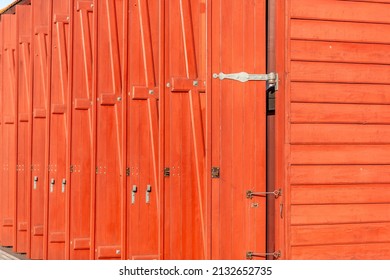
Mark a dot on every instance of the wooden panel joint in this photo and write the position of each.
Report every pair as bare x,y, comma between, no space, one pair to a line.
9,120
85,5
82,104
23,117
39,113
61,18
142,93
108,252
108,99
57,237
58,108
81,244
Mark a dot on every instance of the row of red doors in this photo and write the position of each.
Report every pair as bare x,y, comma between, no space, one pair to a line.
127,144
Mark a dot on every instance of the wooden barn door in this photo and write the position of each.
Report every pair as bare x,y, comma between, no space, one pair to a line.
109,128
184,170
59,134
82,169
143,130
40,103
9,149
23,14
215,130
238,129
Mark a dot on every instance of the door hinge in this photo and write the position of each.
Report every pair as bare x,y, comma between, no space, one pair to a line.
215,172
250,255
167,172
127,171
71,168
271,78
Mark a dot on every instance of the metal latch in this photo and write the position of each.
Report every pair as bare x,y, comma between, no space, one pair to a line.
52,182
63,185
250,255
134,191
35,182
215,172
276,193
148,191
271,78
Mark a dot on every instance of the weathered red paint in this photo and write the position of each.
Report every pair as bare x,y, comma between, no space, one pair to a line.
22,228
40,49
9,151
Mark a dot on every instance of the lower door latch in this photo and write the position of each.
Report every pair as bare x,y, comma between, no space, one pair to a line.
250,255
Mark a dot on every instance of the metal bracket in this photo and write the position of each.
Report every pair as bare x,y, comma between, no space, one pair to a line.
52,182
276,193
71,169
127,171
250,255
167,172
133,192
148,191
63,185
215,172
35,182
271,78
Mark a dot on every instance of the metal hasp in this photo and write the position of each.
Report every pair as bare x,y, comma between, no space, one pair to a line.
148,191
276,193
133,192
52,182
35,182
271,78
276,255
63,185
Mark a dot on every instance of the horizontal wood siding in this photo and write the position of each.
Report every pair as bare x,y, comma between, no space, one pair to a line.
339,124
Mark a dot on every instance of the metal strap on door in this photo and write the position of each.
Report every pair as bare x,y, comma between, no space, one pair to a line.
271,78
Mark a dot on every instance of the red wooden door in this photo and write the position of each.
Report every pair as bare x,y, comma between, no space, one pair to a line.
40,122
23,14
185,219
82,170
9,130
143,130
109,131
59,130
238,129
